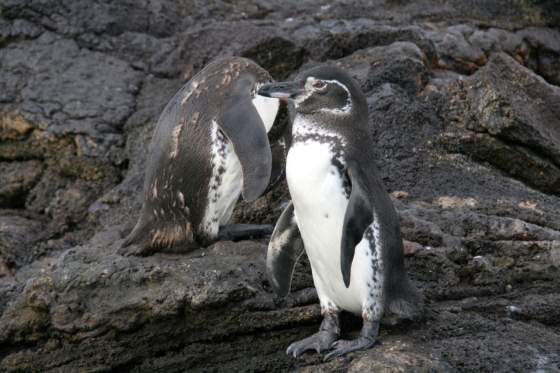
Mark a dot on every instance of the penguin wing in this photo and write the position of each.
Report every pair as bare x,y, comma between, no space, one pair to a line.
284,250
358,216
242,124
279,151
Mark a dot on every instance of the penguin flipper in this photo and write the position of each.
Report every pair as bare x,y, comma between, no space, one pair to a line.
279,153
358,216
284,250
241,123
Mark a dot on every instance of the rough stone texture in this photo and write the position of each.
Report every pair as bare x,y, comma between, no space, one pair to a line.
464,109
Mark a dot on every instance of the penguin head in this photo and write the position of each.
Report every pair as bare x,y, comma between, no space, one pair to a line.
325,90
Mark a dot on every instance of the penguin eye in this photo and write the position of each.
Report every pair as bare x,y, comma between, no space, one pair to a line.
319,84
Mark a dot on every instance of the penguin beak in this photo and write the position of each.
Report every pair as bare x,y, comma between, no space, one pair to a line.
283,90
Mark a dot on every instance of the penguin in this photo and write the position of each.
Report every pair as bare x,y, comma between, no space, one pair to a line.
209,146
340,214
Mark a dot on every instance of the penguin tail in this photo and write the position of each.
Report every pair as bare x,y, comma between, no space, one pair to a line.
150,235
406,303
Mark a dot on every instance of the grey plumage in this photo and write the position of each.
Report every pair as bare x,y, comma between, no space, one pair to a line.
209,134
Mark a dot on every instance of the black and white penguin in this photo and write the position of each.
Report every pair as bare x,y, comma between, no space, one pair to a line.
340,213
209,147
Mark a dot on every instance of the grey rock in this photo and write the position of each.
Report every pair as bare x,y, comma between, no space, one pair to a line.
400,63
17,234
509,134
265,44
93,95
17,180
455,51
463,111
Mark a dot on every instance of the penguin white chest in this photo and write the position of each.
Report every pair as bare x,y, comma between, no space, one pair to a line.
320,201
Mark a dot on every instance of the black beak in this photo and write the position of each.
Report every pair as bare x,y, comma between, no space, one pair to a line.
283,90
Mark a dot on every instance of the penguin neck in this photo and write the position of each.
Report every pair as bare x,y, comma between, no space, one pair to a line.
312,127
267,108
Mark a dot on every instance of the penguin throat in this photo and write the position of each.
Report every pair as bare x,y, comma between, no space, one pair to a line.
308,128
267,108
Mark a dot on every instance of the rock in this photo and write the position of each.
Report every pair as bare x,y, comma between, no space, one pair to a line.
410,248
95,96
447,202
496,40
13,127
17,235
547,50
458,348
463,110
509,134
266,45
454,50
191,291
17,180
397,355
543,308
401,63
531,126
336,39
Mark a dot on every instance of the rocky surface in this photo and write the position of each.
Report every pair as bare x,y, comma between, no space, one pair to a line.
464,103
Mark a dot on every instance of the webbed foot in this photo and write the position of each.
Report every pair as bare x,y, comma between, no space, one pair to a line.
320,341
367,339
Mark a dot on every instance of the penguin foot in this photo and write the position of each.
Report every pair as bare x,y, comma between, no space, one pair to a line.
237,232
135,250
367,339
320,342
342,347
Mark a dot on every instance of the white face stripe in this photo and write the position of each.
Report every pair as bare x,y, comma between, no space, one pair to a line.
310,90
348,106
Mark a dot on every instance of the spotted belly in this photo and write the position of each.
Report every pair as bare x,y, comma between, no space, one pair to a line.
225,184
320,197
